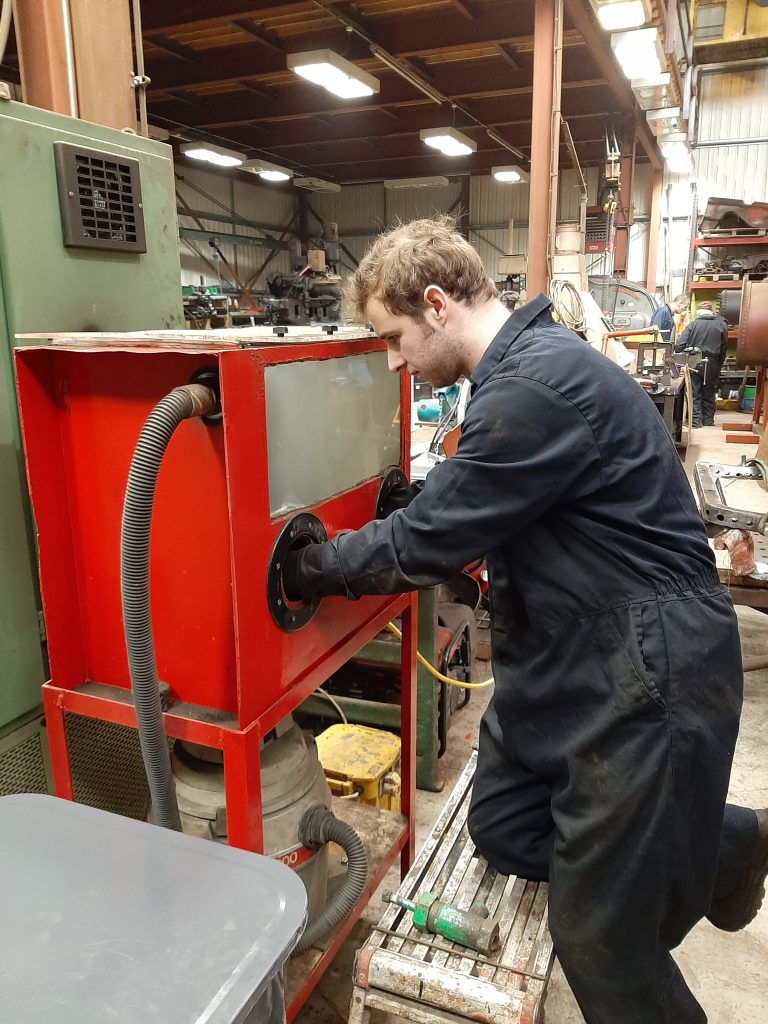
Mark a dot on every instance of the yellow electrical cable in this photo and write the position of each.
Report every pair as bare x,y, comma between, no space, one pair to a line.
433,671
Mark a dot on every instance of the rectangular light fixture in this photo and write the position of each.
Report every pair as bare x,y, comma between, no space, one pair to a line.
653,93
676,152
317,185
639,52
448,140
211,154
267,170
616,15
334,73
664,120
434,181
510,174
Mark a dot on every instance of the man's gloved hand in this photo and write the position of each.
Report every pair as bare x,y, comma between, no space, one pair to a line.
401,496
303,574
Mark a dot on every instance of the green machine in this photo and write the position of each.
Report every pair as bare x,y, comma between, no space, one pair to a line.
88,241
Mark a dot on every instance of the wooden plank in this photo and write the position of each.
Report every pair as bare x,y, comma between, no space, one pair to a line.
742,439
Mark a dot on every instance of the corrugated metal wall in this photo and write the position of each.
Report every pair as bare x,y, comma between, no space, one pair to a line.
214,194
733,105
360,211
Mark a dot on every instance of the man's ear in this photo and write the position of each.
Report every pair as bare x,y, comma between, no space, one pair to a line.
436,302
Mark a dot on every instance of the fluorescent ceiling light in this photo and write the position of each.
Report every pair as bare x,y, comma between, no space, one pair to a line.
435,181
623,14
676,152
317,185
448,141
512,173
268,171
664,120
638,52
655,92
212,154
334,73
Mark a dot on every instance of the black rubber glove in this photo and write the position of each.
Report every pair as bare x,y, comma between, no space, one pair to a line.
303,575
401,496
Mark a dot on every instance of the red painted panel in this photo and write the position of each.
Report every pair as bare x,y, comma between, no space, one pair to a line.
212,536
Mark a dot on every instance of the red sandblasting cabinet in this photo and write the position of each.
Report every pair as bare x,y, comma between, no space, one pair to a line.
305,427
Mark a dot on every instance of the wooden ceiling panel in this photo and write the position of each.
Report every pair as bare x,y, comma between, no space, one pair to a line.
220,71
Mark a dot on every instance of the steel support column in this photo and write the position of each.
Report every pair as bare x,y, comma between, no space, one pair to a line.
653,232
541,146
46,63
464,206
624,218
101,37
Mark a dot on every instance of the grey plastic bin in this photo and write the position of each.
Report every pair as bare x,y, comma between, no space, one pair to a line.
106,920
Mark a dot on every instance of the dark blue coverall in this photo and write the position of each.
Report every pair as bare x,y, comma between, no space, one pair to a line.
605,753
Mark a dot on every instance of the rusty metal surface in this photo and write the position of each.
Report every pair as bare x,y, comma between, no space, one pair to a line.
752,343
430,979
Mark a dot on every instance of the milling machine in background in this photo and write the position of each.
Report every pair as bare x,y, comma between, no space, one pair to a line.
312,291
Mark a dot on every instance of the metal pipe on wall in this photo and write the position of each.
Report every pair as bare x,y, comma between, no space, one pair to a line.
653,232
555,119
541,142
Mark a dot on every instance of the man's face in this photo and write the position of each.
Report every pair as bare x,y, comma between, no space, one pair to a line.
433,353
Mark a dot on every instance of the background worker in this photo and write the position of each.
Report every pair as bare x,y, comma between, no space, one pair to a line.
708,333
667,316
604,755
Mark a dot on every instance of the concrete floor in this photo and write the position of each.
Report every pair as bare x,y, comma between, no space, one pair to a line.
728,973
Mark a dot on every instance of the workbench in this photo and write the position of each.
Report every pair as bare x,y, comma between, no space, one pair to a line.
430,980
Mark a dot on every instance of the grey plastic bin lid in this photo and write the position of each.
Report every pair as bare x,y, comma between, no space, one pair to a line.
105,919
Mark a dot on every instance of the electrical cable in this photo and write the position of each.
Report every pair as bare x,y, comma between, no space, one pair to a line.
324,693
434,672
5,26
567,305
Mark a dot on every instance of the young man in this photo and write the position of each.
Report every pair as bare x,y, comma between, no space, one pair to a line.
708,333
605,753
666,316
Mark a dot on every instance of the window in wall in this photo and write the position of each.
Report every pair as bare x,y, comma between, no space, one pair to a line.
709,22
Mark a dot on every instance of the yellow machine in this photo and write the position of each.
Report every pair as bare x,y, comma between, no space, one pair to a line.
359,760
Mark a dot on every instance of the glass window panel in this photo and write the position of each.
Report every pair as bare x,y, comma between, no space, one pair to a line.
331,424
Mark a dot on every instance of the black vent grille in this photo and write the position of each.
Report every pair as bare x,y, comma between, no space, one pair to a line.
100,197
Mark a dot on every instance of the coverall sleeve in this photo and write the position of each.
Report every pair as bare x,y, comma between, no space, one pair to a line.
524,447
683,340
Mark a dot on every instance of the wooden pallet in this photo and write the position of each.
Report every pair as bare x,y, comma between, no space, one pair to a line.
736,233
716,277
430,980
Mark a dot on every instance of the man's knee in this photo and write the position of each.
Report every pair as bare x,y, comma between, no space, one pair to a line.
509,851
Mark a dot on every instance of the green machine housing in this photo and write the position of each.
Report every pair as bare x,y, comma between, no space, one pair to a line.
88,241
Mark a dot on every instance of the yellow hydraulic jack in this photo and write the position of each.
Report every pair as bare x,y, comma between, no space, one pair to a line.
469,928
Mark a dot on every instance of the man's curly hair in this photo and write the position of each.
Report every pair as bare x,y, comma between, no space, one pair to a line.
403,262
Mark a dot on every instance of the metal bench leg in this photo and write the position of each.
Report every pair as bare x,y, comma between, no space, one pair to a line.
358,1012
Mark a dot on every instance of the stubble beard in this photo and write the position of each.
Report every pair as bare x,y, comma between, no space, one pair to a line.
443,358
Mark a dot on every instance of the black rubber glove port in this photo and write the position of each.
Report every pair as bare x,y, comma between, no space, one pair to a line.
297,534
395,492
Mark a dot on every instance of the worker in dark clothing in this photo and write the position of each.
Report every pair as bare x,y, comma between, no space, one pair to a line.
664,317
709,334
605,753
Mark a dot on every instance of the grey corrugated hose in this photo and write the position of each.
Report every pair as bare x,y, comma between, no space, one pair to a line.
170,411
319,826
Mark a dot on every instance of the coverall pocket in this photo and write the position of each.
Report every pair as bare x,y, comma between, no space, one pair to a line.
629,627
